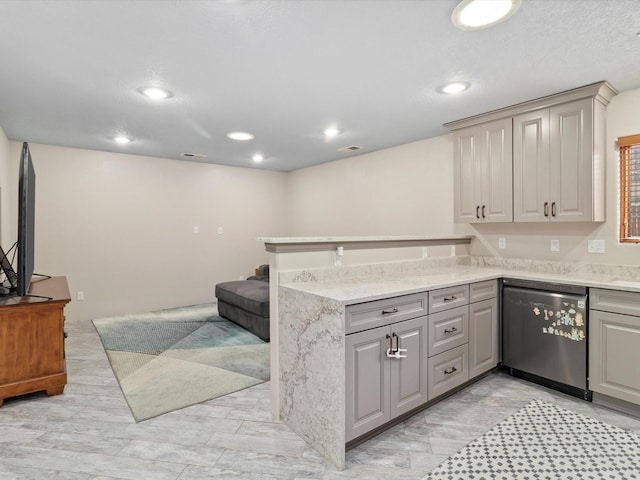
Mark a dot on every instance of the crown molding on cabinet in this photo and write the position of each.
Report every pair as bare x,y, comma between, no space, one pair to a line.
600,91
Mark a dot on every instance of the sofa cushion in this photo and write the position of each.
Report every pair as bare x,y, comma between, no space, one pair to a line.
250,295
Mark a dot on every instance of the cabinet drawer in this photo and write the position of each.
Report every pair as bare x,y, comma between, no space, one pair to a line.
446,298
483,290
448,370
364,316
614,301
448,329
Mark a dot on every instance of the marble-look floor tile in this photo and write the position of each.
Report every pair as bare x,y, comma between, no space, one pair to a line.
167,452
90,463
88,432
255,444
261,463
79,442
195,422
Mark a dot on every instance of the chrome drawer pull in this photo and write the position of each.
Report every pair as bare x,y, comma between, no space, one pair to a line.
387,312
453,329
450,299
449,372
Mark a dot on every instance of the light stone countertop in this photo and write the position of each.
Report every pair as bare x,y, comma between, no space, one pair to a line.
349,291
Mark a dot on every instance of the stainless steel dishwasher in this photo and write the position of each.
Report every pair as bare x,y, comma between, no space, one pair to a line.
544,334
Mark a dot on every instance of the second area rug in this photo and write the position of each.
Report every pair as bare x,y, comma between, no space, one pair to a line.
546,442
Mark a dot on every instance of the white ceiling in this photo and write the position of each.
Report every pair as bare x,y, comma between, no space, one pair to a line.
286,69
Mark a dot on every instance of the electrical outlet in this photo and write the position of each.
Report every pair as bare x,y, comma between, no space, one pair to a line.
80,295
595,246
219,230
555,245
502,242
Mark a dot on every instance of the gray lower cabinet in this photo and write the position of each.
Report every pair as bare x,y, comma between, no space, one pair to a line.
614,344
456,341
379,388
483,335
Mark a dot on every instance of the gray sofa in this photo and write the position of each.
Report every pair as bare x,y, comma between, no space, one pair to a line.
246,302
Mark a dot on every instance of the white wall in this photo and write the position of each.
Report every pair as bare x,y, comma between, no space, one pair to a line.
405,190
120,227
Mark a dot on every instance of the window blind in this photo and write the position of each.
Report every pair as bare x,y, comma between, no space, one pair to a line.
629,149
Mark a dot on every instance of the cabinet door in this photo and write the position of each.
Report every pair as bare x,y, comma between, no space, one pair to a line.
483,183
614,355
483,336
571,161
531,167
367,381
467,176
408,375
496,162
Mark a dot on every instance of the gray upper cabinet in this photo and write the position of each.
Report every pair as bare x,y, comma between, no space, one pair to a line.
558,169
482,169
537,161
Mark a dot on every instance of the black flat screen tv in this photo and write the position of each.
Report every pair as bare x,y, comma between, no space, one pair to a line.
26,221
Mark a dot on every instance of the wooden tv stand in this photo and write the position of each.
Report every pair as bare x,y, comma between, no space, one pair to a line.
32,340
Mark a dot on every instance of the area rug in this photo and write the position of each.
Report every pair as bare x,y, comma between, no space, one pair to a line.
543,441
170,359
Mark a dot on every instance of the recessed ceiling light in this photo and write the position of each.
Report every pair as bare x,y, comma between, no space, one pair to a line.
479,14
156,93
257,158
331,132
240,136
454,87
121,139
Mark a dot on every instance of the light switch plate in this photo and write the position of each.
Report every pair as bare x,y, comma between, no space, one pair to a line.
502,242
555,245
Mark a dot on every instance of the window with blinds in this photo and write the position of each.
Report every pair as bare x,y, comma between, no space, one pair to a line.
629,149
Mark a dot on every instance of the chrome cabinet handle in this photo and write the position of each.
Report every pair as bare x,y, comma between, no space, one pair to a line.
449,299
553,209
449,372
453,329
387,312
546,209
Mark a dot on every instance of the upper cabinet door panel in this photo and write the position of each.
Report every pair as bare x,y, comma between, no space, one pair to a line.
483,182
531,166
466,176
571,150
497,172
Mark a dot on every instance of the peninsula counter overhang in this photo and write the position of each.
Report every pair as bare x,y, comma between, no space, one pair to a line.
318,244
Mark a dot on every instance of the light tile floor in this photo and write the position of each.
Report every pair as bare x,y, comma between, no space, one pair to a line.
89,434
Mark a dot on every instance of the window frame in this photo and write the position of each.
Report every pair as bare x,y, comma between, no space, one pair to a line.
628,152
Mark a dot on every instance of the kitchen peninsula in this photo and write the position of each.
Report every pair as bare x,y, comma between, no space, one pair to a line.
313,312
